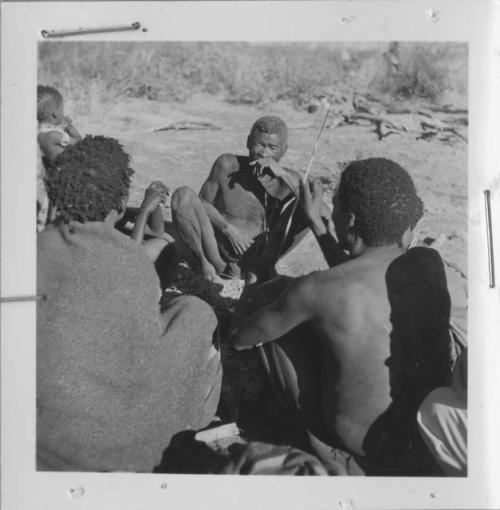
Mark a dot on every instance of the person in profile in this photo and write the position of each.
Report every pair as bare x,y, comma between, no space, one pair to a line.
355,349
116,378
55,132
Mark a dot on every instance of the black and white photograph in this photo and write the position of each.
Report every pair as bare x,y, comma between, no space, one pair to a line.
252,257
249,238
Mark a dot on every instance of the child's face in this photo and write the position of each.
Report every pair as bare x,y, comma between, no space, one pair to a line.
58,114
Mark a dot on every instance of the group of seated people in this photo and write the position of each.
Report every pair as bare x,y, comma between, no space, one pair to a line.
362,354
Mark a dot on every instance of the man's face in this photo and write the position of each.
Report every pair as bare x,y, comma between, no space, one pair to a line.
265,145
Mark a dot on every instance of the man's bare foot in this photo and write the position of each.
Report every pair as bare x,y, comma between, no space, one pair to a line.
208,271
251,278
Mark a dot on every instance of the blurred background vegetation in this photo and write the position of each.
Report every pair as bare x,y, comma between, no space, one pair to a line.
93,74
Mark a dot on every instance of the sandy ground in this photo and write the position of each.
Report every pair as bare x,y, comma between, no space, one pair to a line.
185,158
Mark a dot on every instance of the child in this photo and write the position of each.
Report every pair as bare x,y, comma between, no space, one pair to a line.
55,132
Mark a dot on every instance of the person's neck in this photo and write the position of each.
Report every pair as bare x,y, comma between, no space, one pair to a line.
361,249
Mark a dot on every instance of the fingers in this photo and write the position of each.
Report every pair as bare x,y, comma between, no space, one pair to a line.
269,163
242,245
316,188
157,192
159,187
306,190
240,242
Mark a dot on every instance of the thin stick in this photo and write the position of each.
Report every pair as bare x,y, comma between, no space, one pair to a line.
306,175
316,145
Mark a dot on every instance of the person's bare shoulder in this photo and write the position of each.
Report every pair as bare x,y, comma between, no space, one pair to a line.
224,165
337,287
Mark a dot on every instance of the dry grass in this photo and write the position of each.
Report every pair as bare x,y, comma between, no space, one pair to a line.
93,75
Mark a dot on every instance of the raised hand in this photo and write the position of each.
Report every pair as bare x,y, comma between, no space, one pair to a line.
262,163
311,200
238,239
156,193
275,169
70,129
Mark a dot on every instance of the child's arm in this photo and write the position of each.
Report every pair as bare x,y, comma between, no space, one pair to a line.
73,133
150,210
50,144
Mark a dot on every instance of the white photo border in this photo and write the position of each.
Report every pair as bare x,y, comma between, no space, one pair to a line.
470,21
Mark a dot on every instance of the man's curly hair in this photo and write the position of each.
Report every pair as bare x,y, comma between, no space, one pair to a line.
47,99
382,196
271,124
89,179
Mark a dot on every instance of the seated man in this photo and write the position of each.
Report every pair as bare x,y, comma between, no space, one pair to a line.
238,222
379,340
116,379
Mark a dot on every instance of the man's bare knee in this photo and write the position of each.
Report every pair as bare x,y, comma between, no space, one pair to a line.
183,198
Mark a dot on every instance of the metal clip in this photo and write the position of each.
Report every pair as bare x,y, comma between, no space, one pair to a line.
489,236
13,299
49,34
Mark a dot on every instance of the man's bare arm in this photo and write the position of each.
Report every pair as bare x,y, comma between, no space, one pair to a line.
293,307
318,216
209,190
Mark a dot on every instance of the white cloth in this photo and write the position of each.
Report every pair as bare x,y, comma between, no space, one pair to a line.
442,419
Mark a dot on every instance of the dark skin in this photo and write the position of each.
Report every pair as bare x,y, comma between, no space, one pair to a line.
232,203
150,214
51,146
349,308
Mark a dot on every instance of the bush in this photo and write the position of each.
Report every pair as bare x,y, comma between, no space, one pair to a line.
427,70
90,74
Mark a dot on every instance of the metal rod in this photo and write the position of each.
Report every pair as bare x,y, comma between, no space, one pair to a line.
489,236
49,34
13,299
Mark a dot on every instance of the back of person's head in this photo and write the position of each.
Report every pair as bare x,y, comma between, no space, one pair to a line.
382,196
270,124
89,179
49,104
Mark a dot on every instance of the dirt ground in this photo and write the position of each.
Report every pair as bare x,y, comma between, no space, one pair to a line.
184,157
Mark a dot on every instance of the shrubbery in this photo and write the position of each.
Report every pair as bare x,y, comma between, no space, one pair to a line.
93,73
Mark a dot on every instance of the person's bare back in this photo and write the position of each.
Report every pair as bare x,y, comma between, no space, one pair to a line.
381,320
353,322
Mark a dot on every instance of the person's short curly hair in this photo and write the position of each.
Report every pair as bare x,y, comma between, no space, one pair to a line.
47,99
270,124
89,179
382,196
